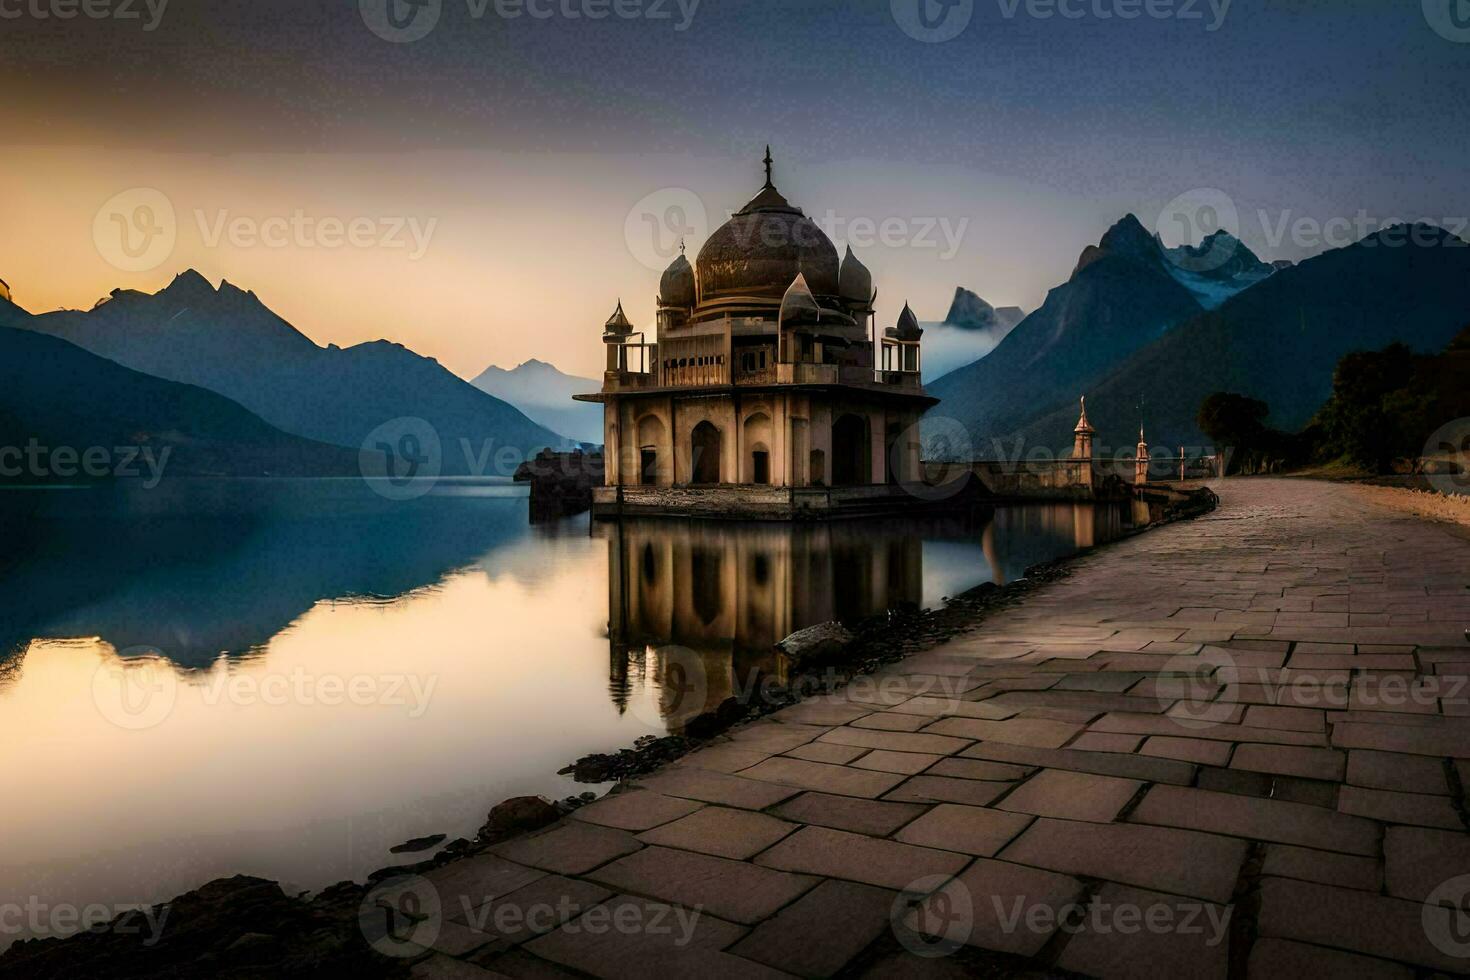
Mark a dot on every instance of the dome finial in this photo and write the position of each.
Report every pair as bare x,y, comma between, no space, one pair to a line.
767,162
1082,424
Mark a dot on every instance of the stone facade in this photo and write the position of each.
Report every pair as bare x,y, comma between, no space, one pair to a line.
766,372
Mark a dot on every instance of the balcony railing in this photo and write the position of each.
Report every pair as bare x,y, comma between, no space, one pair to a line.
806,374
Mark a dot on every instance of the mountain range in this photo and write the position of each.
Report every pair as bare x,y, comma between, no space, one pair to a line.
228,341
65,402
1278,341
1126,292
545,394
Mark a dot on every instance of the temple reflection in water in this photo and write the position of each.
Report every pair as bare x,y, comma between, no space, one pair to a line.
705,602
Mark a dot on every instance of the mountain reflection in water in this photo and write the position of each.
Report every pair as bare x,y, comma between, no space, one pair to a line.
537,645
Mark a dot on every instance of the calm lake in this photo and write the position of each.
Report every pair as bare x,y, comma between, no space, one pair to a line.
287,678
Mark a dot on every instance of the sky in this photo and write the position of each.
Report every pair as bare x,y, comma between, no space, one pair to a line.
482,180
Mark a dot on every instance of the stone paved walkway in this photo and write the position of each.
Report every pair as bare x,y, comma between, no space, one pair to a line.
1232,746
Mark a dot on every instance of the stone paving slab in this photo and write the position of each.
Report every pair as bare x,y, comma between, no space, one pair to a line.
1272,958
1005,900
871,817
1259,819
817,935
925,788
1072,795
1323,867
1356,921
841,780
1101,763
1115,943
1258,718
968,829
737,891
569,848
636,810
853,857
1180,861
721,831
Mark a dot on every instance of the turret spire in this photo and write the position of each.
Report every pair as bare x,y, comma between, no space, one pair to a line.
767,162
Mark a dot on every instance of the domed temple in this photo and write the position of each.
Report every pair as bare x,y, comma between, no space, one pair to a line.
767,391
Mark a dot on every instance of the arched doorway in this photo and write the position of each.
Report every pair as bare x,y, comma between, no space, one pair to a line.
850,452
704,452
757,465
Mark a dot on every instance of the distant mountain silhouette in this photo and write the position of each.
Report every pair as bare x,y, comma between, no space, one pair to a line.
1280,340
545,394
202,571
226,340
969,312
59,395
1125,293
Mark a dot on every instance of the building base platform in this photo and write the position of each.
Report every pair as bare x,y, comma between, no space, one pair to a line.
760,503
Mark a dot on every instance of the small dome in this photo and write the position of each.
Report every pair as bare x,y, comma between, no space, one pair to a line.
855,282
798,305
618,324
908,326
676,288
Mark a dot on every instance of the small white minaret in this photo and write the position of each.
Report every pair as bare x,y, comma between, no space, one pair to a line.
1082,444
1140,459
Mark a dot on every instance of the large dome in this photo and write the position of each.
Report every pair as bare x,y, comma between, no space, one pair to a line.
762,249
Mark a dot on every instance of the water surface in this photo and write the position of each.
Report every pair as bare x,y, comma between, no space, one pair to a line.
286,678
